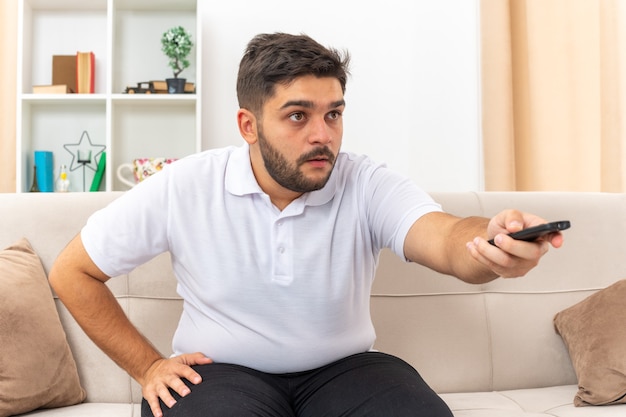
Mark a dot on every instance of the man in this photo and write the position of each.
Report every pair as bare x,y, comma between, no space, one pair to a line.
274,246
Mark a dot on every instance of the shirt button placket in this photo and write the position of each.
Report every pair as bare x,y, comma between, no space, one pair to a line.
282,256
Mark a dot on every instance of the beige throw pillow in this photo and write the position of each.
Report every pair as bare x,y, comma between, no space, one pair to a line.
594,332
37,369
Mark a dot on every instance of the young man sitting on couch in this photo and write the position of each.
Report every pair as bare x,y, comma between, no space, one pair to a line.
274,245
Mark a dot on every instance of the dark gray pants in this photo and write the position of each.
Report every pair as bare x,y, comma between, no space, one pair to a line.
366,384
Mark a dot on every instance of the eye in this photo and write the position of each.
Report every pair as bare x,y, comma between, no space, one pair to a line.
297,116
334,115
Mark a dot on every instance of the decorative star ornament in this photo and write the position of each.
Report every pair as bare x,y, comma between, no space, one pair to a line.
80,146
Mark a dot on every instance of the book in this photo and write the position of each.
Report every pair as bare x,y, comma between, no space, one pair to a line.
64,71
51,89
85,72
160,87
97,177
45,170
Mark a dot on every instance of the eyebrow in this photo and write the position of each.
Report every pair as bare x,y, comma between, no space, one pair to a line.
309,104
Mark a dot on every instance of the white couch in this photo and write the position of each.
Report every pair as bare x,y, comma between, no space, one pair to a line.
489,350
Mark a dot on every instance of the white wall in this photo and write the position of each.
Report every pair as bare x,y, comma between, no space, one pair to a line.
413,98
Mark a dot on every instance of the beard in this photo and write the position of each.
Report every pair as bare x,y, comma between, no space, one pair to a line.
289,175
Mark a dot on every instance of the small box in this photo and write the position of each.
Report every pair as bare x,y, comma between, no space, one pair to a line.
64,71
51,89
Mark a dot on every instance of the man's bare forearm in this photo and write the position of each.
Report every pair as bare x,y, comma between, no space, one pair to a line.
80,286
464,266
438,240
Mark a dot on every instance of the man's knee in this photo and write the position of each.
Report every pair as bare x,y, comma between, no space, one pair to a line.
372,384
227,390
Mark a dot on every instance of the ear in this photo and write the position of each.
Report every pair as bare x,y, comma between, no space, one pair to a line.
247,123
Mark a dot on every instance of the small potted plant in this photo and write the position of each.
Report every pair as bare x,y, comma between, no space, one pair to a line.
176,44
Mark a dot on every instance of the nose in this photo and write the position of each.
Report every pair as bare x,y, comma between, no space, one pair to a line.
321,132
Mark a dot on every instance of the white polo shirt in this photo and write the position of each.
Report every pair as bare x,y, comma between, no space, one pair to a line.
278,291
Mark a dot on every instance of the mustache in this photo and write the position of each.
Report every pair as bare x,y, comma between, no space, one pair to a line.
321,152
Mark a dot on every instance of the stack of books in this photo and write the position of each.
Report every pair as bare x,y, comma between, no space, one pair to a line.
160,87
71,74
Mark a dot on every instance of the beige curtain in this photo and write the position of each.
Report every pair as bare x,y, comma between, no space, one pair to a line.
554,94
8,54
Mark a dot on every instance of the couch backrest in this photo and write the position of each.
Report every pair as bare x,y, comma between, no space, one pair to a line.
49,221
460,337
500,335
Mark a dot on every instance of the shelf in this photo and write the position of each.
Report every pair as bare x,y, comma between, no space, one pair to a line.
137,45
155,98
45,126
125,36
62,98
48,29
65,5
188,5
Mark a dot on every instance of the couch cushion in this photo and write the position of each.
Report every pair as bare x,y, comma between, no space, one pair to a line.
536,402
91,410
595,335
36,366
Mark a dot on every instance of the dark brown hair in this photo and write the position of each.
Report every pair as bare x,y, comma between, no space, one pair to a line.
280,58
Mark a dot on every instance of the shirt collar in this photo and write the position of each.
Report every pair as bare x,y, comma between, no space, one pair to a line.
240,180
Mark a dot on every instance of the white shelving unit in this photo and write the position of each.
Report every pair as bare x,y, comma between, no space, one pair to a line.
125,36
